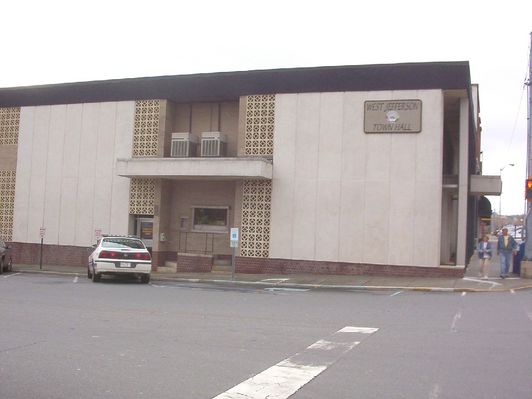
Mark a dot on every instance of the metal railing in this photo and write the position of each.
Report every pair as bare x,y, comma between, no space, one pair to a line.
199,242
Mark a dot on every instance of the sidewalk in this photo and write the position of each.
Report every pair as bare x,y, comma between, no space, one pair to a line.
470,283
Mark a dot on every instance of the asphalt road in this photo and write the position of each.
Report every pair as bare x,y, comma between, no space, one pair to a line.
65,337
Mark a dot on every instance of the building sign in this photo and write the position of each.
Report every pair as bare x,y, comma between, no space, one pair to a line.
394,116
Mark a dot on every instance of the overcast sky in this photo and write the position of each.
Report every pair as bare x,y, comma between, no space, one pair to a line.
67,41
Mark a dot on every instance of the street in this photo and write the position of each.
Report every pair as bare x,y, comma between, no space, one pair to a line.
66,337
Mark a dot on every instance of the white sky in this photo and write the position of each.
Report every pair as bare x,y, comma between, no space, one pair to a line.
58,41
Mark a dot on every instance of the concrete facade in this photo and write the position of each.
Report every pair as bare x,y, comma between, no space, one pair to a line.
342,195
66,178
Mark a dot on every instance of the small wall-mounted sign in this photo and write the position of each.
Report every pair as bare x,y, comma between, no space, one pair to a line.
42,232
234,237
392,116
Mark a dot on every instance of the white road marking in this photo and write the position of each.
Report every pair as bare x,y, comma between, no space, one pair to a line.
76,279
274,289
275,279
11,275
396,293
513,292
288,376
464,293
362,330
158,286
328,345
435,393
484,281
457,317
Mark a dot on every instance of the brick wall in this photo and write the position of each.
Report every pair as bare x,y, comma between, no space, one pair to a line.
62,255
194,263
288,266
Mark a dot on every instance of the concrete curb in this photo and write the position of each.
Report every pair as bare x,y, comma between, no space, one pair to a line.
340,287
302,285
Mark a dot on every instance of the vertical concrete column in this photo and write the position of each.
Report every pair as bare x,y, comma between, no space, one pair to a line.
237,217
241,140
463,182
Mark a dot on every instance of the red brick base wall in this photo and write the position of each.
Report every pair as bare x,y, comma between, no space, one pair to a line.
62,255
288,266
194,263
158,258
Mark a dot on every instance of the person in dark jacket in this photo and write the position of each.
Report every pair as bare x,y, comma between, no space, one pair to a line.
506,247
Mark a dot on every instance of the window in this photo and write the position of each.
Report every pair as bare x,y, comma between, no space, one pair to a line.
210,219
122,242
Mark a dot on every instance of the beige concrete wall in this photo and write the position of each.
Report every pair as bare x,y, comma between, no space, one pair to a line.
342,195
186,194
164,218
66,179
206,117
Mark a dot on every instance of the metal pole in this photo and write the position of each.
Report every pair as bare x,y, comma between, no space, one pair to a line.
232,263
40,257
528,83
528,242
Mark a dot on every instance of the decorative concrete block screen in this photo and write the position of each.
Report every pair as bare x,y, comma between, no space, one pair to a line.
260,119
256,212
141,196
9,123
7,203
146,130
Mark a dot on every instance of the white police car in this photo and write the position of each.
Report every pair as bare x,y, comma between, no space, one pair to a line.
119,255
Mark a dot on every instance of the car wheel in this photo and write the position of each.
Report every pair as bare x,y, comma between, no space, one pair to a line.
89,275
145,278
95,277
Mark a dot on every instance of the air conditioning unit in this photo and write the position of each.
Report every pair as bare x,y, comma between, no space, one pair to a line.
183,145
212,144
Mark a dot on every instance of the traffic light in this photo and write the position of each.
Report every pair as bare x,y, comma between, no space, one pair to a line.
528,189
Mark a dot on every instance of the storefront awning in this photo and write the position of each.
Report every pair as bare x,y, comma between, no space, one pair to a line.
196,168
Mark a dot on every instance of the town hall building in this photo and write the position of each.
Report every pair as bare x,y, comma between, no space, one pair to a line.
371,169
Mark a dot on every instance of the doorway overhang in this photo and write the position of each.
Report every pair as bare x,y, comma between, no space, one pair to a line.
196,168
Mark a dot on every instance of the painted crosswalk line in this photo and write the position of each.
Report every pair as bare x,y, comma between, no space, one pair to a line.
288,376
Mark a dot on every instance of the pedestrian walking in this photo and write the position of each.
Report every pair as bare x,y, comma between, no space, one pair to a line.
484,255
506,247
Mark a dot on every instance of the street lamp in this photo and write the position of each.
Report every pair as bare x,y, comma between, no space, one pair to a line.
500,197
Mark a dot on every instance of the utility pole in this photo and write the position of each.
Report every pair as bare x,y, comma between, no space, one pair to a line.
528,245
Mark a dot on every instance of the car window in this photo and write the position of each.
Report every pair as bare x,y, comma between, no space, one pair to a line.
119,242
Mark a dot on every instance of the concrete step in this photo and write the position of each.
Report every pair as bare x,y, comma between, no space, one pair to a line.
221,268
169,263
166,269
217,261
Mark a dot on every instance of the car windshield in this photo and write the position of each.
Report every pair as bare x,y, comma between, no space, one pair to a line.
121,242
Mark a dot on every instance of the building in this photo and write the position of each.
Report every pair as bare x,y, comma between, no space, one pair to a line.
349,169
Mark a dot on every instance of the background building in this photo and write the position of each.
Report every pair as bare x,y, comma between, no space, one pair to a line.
354,169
